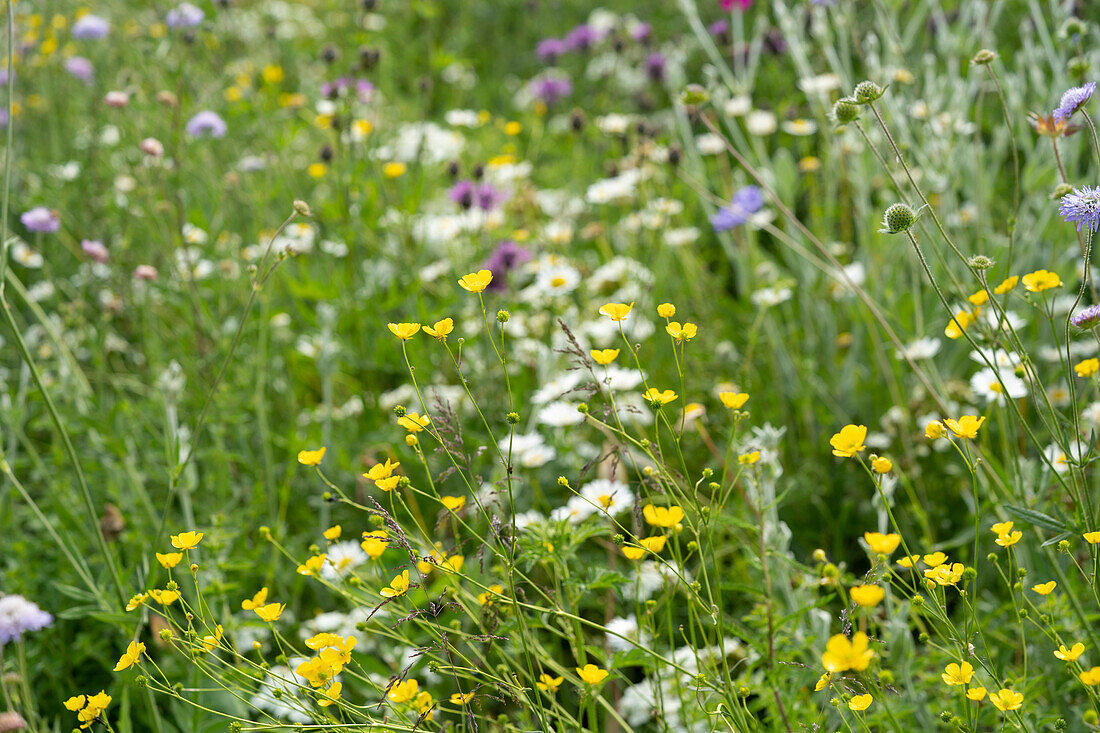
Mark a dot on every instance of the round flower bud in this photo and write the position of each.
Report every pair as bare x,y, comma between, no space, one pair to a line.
694,94
819,555
867,92
898,218
983,57
399,410
1060,190
1078,66
1073,27
302,208
512,418
563,481
503,316
980,262
845,111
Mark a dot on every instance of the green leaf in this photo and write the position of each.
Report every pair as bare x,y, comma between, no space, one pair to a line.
1038,518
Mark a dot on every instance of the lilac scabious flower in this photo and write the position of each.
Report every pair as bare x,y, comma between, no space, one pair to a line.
18,616
507,257
719,27
551,88
363,89
1087,318
744,204
184,15
81,68
468,194
1073,100
655,66
1081,206
549,49
206,123
90,27
582,38
41,219
462,193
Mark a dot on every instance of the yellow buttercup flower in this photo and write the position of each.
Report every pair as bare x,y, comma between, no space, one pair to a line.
966,426
549,683
616,311
1008,539
381,470
404,331
1087,368
660,516
860,702
945,574
413,422
747,459
882,544
312,566
867,596
647,544
958,673
979,298
976,694
1001,528
394,169
403,691
934,430
1044,589
654,395
375,543
74,703
270,612
311,457
603,357
458,698
476,282
733,400
186,540
934,559
957,325
590,674
251,604
1008,284
333,532
823,681
398,586
1071,654
881,465
1003,699
1092,537
666,310
1037,282
681,333
441,329
169,560
131,656
136,601
453,503
331,695
842,654
1090,677
849,441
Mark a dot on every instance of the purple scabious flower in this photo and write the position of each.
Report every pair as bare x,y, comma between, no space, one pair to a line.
364,90
41,219
462,193
1073,100
1087,318
744,204
90,27
18,616
488,197
582,38
551,88
549,49
184,15
655,66
506,257
1081,206
81,68
206,123
719,27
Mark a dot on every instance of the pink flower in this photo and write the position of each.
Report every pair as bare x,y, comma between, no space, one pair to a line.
117,99
152,146
145,272
95,250
729,5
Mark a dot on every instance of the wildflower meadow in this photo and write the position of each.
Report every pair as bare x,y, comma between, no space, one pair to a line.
541,365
